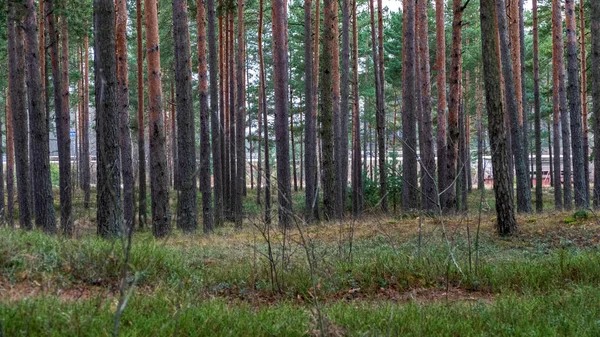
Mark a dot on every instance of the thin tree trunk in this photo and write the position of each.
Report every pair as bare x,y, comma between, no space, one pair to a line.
559,102
109,214
10,161
187,205
263,111
480,140
85,135
595,65
240,117
205,185
380,114
539,202
574,95
16,70
584,109
161,225
233,176
123,111
280,78
142,212
357,183
294,171
427,153
440,34
310,127
513,93
506,222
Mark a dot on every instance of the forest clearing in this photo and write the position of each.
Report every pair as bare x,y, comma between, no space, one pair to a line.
299,168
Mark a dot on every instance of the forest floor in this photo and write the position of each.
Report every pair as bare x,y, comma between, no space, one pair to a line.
375,276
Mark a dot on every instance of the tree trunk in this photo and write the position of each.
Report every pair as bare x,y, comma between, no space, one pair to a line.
440,34
44,207
480,140
205,185
344,106
142,215
357,183
161,225
240,117
187,205
280,78
85,136
595,65
506,222
454,106
123,111
16,70
584,109
293,140
427,155
513,93
109,214
10,162
310,122
539,202
574,95
263,111
233,177
560,108
335,97
380,114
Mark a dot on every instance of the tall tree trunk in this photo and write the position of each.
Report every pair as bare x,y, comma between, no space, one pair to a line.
454,106
440,34
161,225
584,109
506,222
205,186
16,70
187,205
109,214
85,135
310,122
233,176
327,117
142,215
123,111
263,111
574,95
240,117
410,190
10,161
595,65
357,183
428,157
44,205
293,140
560,107
217,164
63,137
513,93
280,78
344,106
335,97
380,114
539,202
480,140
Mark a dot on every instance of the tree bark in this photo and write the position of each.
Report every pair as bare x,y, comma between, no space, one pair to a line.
574,96
326,116
560,107
584,109
205,185
539,202
109,214
506,222
85,136
380,114
187,205
10,161
440,34
513,93
280,78
44,205
410,189
123,111
142,212
214,117
429,192
595,65
16,70
310,122
161,225
357,183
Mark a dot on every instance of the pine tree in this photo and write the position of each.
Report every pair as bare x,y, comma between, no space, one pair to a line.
506,221
539,202
440,34
109,213
595,65
142,213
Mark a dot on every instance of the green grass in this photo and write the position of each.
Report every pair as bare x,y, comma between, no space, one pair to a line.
543,282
